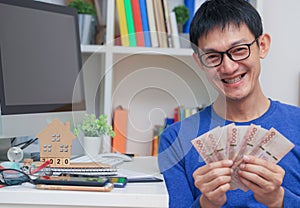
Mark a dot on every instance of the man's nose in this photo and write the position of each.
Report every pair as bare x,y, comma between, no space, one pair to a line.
228,66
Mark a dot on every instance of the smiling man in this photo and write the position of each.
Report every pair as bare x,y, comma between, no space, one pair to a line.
228,42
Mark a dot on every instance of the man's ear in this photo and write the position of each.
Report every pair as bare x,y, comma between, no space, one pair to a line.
264,45
195,56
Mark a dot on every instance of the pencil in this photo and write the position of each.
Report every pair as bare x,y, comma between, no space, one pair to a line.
106,188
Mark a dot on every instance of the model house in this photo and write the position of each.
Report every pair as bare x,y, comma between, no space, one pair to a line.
56,143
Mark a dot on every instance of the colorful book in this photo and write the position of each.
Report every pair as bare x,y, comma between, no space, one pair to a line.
157,130
144,16
122,23
152,24
160,24
137,19
167,23
175,33
130,22
190,4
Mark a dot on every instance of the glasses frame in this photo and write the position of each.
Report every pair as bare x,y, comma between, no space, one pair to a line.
227,53
4,180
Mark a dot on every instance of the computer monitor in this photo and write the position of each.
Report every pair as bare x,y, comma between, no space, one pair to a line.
40,63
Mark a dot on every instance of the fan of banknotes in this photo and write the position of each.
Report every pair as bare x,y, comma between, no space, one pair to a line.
233,142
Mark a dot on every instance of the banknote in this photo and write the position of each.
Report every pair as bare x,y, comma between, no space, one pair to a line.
234,141
272,147
206,145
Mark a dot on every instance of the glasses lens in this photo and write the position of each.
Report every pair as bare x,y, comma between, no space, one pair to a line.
211,59
14,177
239,52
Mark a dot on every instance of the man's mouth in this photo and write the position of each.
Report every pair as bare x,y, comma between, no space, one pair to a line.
233,80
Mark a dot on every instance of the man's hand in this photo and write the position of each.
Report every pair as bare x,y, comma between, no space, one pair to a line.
213,181
264,179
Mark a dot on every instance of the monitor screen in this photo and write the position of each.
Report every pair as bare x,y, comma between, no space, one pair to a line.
40,62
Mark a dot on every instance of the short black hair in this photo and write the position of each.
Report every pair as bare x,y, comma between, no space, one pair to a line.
222,13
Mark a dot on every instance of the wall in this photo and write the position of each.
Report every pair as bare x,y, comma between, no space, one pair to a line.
280,69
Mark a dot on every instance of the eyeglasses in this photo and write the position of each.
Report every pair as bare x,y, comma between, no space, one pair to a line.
235,53
10,177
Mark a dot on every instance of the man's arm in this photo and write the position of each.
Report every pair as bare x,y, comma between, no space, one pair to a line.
171,164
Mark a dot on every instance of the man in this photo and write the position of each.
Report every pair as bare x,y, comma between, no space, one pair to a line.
228,43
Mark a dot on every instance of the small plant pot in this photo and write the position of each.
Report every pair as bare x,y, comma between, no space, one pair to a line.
91,146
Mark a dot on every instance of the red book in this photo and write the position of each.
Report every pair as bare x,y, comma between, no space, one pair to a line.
176,114
137,19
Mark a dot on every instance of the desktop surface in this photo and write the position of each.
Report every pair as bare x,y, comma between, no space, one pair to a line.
144,195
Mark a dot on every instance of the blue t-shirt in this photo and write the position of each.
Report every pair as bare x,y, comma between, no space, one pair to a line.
178,159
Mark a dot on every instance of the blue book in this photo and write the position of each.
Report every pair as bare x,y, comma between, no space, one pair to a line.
190,4
145,23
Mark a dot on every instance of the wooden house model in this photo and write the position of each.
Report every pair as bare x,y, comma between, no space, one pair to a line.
56,143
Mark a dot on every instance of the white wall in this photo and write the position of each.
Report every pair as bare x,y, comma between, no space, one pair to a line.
280,69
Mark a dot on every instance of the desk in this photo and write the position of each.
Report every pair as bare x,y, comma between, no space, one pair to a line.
142,195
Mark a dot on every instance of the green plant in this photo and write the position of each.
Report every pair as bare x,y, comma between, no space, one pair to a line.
83,7
182,15
94,127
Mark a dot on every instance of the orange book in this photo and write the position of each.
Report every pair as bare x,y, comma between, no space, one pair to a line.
120,128
137,19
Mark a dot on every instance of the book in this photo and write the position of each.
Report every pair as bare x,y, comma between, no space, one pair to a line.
167,23
175,34
157,130
100,26
122,23
145,24
83,168
130,22
137,19
152,24
98,13
190,4
160,24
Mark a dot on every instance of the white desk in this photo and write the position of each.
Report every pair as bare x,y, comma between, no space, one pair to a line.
146,195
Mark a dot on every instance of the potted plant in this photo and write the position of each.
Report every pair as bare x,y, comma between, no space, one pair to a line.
182,15
93,130
86,18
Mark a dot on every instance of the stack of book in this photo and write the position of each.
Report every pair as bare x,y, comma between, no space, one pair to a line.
182,112
84,168
147,23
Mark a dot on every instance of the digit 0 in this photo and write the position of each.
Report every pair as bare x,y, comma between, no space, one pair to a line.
66,161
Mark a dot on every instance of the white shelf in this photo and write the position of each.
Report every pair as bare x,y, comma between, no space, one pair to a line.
136,50
93,48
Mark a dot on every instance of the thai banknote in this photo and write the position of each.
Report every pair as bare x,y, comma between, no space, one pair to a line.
233,142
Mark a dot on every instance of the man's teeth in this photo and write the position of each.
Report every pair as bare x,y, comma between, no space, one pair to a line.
231,81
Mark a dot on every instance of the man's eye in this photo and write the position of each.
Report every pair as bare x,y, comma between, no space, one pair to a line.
239,50
212,57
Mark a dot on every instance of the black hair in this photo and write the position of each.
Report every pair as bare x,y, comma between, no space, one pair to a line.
222,13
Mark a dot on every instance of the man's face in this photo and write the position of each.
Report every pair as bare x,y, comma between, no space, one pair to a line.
235,79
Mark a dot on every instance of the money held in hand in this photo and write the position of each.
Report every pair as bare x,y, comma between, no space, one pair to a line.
232,142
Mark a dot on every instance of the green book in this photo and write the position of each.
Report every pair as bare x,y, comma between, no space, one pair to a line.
130,22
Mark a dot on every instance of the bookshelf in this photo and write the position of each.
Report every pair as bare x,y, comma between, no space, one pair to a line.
149,82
